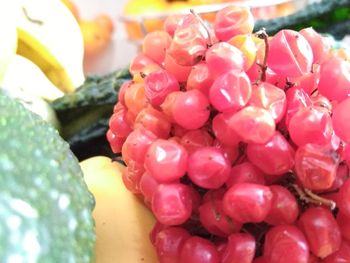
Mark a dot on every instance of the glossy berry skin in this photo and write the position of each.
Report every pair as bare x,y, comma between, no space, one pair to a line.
188,45
148,185
314,259
230,91
316,166
200,78
316,123
247,202
154,45
169,242
340,256
168,105
346,153
240,249
212,195
171,22
132,175
284,207
139,62
321,230
215,221
296,99
309,81
344,199
199,250
245,172
320,45
196,199
158,85
153,120
121,93
335,73
246,44
208,168
253,124
344,225
231,21
171,203
341,120
136,145
230,152
196,139
166,160
271,98
261,259
340,178
135,99
213,146
275,157
180,72
254,71
118,123
222,58
223,129
115,142
191,109
287,244
290,54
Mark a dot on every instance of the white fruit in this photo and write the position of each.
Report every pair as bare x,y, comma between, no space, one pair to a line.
22,74
8,34
49,35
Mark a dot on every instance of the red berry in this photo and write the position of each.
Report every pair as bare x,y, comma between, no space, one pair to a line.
287,244
240,249
246,202
169,242
166,160
172,204
199,250
321,230
208,168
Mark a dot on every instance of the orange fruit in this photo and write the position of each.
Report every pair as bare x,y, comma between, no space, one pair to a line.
285,9
202,2
72,7
177,6
246,44
97,35
134,9
105,21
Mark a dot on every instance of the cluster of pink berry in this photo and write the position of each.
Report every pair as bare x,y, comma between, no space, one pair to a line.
239,142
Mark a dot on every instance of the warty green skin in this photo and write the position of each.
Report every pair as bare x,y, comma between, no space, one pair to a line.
45,205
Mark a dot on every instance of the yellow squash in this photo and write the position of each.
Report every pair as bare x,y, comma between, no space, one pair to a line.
50,36
123,223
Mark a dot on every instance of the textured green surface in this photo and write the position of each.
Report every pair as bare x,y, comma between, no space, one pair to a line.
322,16
45,206
84,114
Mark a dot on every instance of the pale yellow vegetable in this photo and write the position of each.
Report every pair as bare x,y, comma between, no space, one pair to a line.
123,223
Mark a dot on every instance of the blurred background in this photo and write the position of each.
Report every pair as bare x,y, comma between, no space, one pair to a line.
119,52
133,18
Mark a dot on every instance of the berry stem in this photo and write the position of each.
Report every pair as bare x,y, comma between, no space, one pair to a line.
321,200
201,21
263,35
309,197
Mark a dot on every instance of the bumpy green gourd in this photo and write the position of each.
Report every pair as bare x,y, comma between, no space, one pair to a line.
45,206
322,15
84,114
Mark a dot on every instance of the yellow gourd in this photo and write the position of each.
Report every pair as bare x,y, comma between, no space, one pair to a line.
123,223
